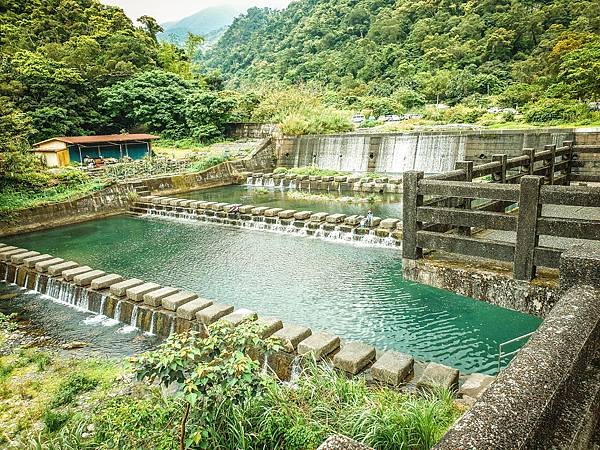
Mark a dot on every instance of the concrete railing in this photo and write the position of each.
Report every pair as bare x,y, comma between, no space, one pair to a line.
548,397
456,205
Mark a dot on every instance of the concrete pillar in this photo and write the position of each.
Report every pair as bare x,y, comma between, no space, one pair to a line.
527,237
410,226
467,166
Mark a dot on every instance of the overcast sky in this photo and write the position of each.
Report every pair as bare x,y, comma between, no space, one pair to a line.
170,10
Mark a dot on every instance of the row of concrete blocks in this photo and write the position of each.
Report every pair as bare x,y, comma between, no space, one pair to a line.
339,179
389,224
390,367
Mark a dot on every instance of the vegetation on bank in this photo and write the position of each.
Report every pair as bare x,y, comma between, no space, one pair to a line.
330,197
223,400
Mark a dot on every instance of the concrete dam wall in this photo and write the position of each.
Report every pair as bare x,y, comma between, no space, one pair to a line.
429,151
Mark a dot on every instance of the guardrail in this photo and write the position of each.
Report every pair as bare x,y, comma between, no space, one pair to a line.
441,211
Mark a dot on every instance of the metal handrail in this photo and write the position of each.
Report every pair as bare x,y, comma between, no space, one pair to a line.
502,354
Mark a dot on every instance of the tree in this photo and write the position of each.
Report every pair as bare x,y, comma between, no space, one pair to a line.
151,26
580,69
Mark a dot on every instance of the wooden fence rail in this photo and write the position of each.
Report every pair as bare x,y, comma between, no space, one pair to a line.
440,211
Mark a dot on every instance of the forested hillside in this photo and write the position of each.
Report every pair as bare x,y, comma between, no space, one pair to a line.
208,23
70,67
420,50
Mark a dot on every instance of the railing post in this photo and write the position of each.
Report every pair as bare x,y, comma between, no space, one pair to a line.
551,161
528,168
467,166
500,176
527,237
410,225
568,157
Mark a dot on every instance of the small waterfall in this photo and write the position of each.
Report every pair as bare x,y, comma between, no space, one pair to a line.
277,227
296,370
265,366
37,282
25,283
249,181
281,186
134,316
335,234
172,328
103,304
270,182
304,230
83,301
153,323
117,312
292,184
320,232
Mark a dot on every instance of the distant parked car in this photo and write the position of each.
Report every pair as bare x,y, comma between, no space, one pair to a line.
392,118
358,118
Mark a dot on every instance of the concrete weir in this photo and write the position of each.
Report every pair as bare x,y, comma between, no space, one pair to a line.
334,227
164,310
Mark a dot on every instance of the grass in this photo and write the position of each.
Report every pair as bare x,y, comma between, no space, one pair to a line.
207,163
14,200
301,195
311,171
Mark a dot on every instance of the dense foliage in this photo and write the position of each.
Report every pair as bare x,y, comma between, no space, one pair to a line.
70,67
393,55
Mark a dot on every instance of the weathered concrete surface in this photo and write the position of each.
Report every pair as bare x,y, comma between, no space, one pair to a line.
33,260
189,310
106,281
302,215
291,335
524,408
120,289
318,217
85,279
42,266
238,316
5,256
475,385
389,224
258,211
269,325
136,293
354,357
58,269
72,273
172,302
438,375
213,313
342,443
481,280
272,212
155,298
287,213
393,367
580,264
319,344
335,218
18,258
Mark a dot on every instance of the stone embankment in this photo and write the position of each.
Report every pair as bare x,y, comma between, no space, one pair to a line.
342,183
163,310
341,227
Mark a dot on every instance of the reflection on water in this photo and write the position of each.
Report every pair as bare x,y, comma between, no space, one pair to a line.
65,323
355,292
388,205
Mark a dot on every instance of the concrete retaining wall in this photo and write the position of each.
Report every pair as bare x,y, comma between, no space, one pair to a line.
112,200
250,130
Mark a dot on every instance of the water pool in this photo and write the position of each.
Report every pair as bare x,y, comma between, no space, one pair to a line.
355,292
388,205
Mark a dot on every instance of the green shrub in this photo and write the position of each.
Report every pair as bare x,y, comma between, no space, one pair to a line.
70,388
550,110
280,170
72,177
462,114
55,420
316,171
31,181
207,163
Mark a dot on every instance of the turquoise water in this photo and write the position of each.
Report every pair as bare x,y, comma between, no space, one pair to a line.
388,205
355,292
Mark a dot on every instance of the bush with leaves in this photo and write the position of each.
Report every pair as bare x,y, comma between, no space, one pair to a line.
209,370
553,110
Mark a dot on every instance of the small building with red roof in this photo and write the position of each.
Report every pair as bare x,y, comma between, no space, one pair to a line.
61,151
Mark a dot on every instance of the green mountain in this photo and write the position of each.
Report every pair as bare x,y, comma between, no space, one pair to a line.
437,49
208,23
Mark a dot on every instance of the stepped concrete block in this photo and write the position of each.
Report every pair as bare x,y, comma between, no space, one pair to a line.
155,298
189,310
85,279
42,266
257,175
340,179
340,442
287,213
354,357
7,255
238,316
382,232
33,260
72,273
318,217
3,245
208,205
156,200
269,325
314,178
438,375
258,211
389,224
185,203
393,367
19,257
291,335
353,220
273,212
319,344
120,289
395,180
335,218
193,204
302,215
106,281
293,176
172,302
327,178
222,206
165,201
375,221
213,313
246,209
137,293
146,198
475,385
174,201
7,248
